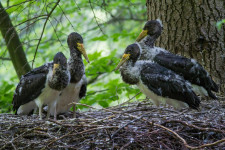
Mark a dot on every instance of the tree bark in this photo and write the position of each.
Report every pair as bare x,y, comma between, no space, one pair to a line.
190,30
13,43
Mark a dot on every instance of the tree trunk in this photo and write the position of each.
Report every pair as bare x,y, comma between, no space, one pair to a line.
190,30
13,43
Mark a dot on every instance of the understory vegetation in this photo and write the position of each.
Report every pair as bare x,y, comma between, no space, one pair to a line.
107,28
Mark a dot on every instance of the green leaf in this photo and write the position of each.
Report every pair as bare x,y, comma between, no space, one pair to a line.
8,87
219,24
103,103
100,38
64,20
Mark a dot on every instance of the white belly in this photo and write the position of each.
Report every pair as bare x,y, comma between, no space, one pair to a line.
48,97
159,99
69,94
26,108
199,90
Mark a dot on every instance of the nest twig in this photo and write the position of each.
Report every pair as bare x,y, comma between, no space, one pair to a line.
134,126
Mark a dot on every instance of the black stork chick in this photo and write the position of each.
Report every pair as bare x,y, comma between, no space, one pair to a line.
190,69
158,83
41,86
78,83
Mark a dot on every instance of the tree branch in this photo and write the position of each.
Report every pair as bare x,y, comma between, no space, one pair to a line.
18,4
31,19
96,17
39,41
13,43
67,18
4,58
115,19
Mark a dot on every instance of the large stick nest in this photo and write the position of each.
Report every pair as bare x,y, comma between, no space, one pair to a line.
135,126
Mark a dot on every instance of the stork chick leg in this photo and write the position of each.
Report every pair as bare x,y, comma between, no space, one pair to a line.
40,112
74,110
55,114
48,112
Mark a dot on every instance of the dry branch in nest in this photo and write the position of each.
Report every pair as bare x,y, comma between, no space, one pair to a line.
135,126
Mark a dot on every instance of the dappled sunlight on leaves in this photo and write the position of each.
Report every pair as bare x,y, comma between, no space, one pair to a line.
120,22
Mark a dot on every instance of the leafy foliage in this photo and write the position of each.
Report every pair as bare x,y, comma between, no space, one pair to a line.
106,26
220,23
6,95
110,88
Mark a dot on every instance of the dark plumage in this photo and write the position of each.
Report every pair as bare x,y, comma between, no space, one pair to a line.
30,86
152,30
78,83
188,68
83,89
159,83
41,86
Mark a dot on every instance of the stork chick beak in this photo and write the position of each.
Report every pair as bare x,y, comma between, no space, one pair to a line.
55,67
80,47
123,60
142,35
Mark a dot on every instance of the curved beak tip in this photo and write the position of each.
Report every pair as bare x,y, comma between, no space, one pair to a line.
55,66
142,35
122,61
116,68
83,51
86,57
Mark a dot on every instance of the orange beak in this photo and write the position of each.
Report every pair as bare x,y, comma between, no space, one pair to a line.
142,35
123,60
83,51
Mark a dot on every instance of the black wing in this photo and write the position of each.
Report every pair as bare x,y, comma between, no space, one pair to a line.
42,69
166,83
188,68
83,88
30,86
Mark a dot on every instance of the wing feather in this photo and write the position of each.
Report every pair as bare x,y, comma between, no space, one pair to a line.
30,86
188,68
166,83
83,88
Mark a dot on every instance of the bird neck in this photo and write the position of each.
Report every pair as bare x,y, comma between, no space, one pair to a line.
150,40
148,50
58,79
75,53
130,73
76,66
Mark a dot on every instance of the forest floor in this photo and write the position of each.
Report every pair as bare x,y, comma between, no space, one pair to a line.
138,125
